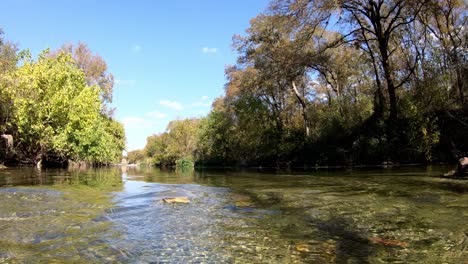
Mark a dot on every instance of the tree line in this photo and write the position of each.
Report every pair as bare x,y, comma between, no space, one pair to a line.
327,82
55,109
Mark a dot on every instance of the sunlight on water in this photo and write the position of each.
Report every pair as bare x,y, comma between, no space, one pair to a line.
112,216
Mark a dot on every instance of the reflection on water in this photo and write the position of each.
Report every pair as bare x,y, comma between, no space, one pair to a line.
50,216
117,215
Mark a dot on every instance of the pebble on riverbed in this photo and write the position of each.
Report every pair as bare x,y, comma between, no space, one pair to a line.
324,251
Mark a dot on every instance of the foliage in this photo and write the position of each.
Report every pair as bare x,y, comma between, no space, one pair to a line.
213,145
178,143
135,156
8,61
325,82
184,164
95,70
55,115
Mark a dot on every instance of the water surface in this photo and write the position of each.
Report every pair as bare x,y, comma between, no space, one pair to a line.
399,215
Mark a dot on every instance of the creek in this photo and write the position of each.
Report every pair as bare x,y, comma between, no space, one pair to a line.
117,215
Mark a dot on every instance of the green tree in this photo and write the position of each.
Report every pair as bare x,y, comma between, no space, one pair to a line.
56,115
8,61
8,55
177,143
95,70
135,156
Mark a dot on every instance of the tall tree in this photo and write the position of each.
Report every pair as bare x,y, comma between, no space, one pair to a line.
95,69
446,22
280,57
373,25
178,142
56,115
8,61
8,54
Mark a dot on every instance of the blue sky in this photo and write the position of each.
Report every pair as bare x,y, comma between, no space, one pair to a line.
167,57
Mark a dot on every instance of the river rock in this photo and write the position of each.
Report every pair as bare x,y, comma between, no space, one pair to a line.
304,248
8,140
462,166
243,204
461,170
241,200
176,200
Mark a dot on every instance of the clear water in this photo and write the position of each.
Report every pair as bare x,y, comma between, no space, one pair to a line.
399,215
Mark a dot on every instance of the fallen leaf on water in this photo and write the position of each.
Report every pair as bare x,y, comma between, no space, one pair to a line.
388,242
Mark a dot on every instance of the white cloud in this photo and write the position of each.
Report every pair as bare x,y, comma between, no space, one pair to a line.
136,122
172,104
202,102
209,50
137,48
125,82
156,114
202,113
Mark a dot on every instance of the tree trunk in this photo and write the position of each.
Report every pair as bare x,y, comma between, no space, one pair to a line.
389,79
304,112
6,146
460,85
38,161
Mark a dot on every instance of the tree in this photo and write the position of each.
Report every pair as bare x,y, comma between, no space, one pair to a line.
336,82
279,57
8,55
94,68
8,61
214,144
135,156
56,115
445,22
372,25
178,142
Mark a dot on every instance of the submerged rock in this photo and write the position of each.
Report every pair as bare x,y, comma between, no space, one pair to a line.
244,204
242,200
303,248
322,251
176,200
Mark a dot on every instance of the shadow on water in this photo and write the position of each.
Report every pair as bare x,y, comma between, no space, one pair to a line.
351,244
457,186
334,239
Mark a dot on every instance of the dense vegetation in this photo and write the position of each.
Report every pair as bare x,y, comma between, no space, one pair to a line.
336,83
55,109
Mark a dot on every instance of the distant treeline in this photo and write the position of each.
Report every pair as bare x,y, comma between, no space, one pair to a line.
55,109
326,82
